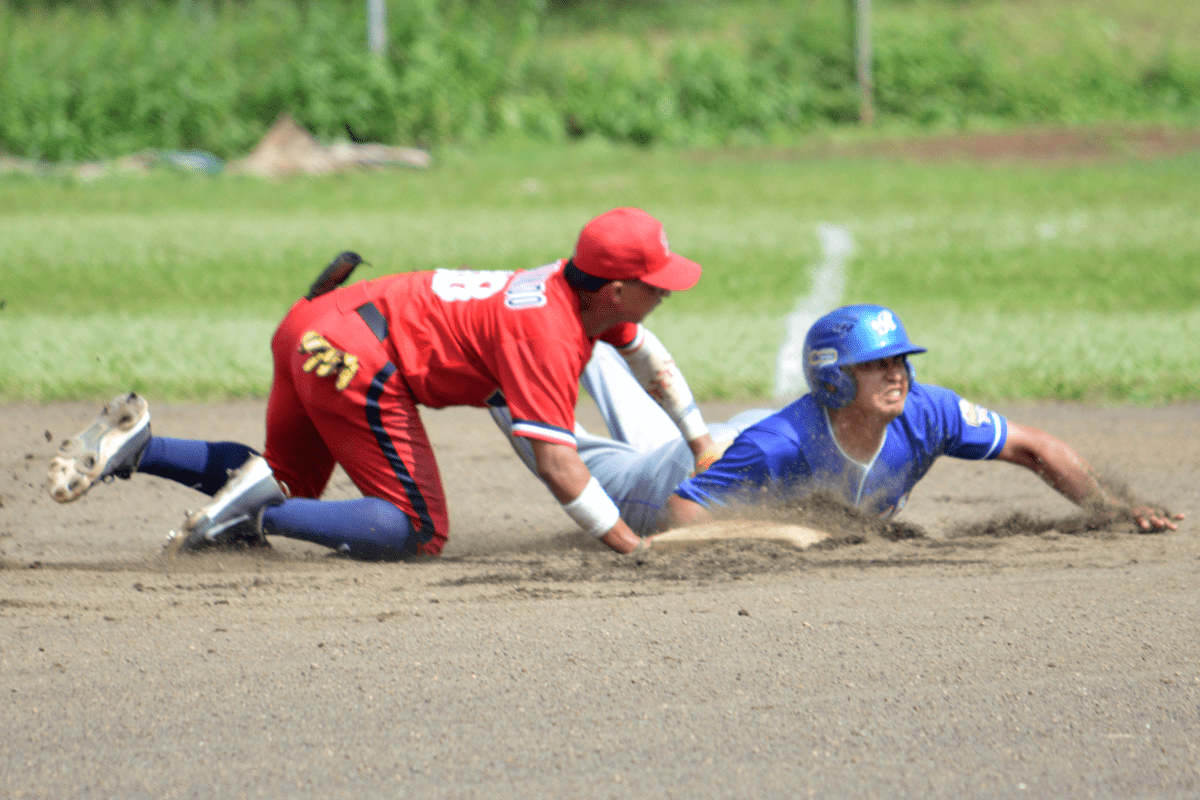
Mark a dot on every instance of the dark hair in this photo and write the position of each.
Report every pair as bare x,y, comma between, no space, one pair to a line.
578,279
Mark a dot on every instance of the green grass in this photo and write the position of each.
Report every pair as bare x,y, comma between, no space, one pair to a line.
1026,282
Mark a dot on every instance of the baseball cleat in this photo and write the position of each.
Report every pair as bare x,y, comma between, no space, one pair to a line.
109,447
246,535
234,517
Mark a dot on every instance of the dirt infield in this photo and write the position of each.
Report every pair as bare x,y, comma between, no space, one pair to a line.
529,661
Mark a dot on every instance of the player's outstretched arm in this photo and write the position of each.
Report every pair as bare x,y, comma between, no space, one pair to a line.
1067,472
657,372
563,471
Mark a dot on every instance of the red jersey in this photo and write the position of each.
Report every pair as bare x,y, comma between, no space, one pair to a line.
461,335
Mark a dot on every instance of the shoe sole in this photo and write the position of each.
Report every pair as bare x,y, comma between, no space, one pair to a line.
188,540
82,460
180,542
183,541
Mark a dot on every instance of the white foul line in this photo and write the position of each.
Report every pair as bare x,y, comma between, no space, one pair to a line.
828,284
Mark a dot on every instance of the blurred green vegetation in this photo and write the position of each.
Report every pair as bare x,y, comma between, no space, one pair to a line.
105,78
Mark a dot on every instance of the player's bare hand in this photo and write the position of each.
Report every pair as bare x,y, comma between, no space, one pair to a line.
710,455
1154,520
622,539
639,552
701,445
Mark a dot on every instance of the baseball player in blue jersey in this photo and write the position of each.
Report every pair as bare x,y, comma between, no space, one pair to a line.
866,431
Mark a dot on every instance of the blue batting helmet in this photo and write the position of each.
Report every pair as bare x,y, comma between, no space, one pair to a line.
851,335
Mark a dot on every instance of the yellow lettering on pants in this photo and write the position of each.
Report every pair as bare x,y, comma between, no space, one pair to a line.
324,360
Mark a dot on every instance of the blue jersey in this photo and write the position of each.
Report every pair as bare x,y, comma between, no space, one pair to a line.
794,450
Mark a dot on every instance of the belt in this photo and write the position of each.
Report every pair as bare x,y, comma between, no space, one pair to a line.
378,324
374,319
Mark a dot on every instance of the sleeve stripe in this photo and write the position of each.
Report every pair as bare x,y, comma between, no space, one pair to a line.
638,338
540,430
1001,435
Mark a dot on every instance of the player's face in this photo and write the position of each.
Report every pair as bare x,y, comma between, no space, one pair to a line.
639,299
882,386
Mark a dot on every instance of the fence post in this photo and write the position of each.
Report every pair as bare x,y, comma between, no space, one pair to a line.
377,26
866,88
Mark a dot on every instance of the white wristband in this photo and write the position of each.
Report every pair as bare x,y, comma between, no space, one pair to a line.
692,425
593,510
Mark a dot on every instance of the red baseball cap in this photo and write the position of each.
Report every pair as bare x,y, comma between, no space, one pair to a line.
628,244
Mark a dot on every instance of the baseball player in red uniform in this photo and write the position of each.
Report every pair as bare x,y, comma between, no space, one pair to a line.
353,364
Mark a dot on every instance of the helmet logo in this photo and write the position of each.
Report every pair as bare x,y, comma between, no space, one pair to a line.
823,357
883,324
